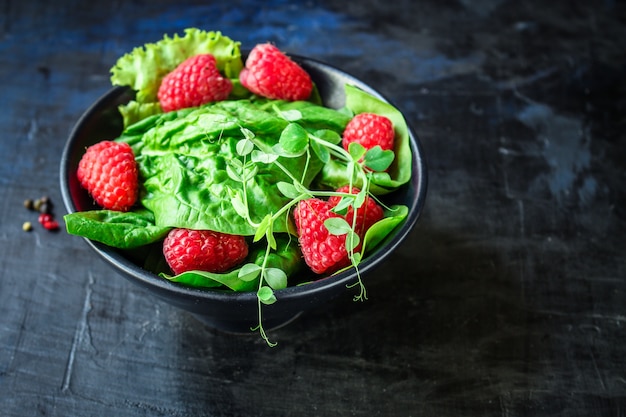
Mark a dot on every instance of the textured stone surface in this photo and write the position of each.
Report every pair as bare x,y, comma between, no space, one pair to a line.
507,299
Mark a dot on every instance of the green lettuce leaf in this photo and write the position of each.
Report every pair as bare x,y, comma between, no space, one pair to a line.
335,173
382,228
184,161
144,67
133,111
114,228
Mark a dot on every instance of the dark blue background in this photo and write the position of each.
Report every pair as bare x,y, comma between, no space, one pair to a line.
508,299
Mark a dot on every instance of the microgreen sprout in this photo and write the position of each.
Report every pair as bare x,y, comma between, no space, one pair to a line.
296,141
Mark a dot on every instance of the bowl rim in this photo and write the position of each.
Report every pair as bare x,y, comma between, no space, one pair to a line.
419,179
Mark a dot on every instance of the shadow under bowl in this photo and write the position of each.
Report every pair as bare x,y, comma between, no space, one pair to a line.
237,312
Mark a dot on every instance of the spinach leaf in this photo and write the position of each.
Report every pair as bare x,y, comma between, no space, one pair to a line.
116,229
382,228
335,173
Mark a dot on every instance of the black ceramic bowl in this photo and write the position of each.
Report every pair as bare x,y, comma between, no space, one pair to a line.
230,311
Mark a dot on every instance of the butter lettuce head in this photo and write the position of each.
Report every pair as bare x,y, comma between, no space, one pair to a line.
184,158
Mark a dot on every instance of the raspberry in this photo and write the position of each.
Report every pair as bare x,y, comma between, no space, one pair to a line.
369,130
203,250
366,215
272,74
194,82
109,173
322,251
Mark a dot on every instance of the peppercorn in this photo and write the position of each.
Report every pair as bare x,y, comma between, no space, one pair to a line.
27,226
44,206
44,217
51,225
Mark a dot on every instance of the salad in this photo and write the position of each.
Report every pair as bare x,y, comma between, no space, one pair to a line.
245,163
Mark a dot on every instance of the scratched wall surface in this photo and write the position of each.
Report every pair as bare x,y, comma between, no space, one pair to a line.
508,298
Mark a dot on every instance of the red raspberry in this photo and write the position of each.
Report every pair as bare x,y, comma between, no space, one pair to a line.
369,130
366,215
322,251
194,82
272,74
203,250
109,173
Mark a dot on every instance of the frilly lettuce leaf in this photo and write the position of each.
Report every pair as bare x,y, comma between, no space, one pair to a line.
144,67
133,112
